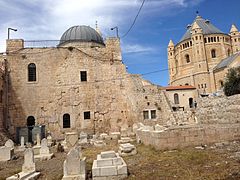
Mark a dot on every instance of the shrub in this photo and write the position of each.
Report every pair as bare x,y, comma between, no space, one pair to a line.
232,84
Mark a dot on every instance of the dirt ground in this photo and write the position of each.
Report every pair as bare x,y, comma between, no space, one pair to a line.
219,161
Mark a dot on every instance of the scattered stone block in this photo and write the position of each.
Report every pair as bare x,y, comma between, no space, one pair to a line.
124,140
99,143
109,165
115,135
44,151
157,127
104,136
127,149
74,166
28,168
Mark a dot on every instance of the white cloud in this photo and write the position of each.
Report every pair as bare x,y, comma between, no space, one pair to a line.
46,19
137,48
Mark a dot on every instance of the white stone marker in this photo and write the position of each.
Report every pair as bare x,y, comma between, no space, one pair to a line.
28,168
83,138
44,151
49,140
74,167
9,143
38,139
22,142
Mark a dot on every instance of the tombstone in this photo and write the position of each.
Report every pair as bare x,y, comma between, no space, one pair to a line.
71,139
9,143
74,167
115,135
109,165
83,138
29,164
124,140
6,153
44,153
49,140
28,168
22,142
38,139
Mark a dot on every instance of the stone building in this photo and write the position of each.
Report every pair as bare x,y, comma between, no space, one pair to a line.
81,84
203,55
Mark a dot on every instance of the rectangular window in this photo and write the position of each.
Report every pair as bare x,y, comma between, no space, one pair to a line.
87,115
83,75
153,114
145,115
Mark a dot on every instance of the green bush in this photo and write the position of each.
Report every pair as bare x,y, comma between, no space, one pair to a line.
232,84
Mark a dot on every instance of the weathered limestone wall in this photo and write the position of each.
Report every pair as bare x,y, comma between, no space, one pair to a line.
184,136
1,91
114,98
214,110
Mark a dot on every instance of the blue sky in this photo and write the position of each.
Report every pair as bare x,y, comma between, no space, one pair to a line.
144,48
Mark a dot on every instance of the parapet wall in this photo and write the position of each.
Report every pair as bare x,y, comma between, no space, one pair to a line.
183,136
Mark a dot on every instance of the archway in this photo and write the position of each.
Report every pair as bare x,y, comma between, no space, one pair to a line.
30,125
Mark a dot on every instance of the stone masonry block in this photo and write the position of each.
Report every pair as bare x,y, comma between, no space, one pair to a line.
122,169
104,162
108,171
108,154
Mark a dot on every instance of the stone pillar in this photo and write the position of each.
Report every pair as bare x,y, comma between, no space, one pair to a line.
12,45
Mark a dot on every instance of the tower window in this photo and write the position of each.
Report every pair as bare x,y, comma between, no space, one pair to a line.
32,72
229,52
66,121
176,98
187,58
83,75
205,40
87,115
213,53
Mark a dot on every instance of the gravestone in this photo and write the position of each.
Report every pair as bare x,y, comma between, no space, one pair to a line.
49,140
71,140
74,166
9,143
28,168
22,142
29,164
127,149
83,138
44,153
38,139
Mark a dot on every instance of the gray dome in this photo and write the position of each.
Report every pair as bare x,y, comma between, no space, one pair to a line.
81,34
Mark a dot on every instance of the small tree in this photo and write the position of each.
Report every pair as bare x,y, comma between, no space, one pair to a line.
232,84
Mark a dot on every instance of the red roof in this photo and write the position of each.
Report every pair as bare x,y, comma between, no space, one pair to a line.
186,87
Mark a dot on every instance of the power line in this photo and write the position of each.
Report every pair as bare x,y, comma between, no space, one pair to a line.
134,21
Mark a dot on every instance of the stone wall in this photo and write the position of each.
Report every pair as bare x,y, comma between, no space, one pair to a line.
184,136
115,98
218,110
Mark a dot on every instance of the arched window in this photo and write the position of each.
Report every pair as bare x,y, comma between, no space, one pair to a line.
32,72
221,83
213,53
176,98
30,121
66,121
187,58
186,84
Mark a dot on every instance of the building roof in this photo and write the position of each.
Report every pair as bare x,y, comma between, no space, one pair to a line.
226,62
205,25
186,87
81,34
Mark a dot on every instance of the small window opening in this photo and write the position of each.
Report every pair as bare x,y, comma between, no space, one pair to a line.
31,72
187,58
176,98
153,114
87,115
145,115
213,53
83,75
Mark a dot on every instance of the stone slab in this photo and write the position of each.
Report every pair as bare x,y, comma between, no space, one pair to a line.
108,154
24,176
42,157
108,171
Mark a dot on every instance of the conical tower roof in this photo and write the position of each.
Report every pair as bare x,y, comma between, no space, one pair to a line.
233,29
205,25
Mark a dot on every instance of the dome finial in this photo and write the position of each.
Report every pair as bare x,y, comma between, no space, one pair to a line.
197,13
97,29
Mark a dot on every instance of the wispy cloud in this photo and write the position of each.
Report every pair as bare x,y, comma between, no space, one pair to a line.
137,48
